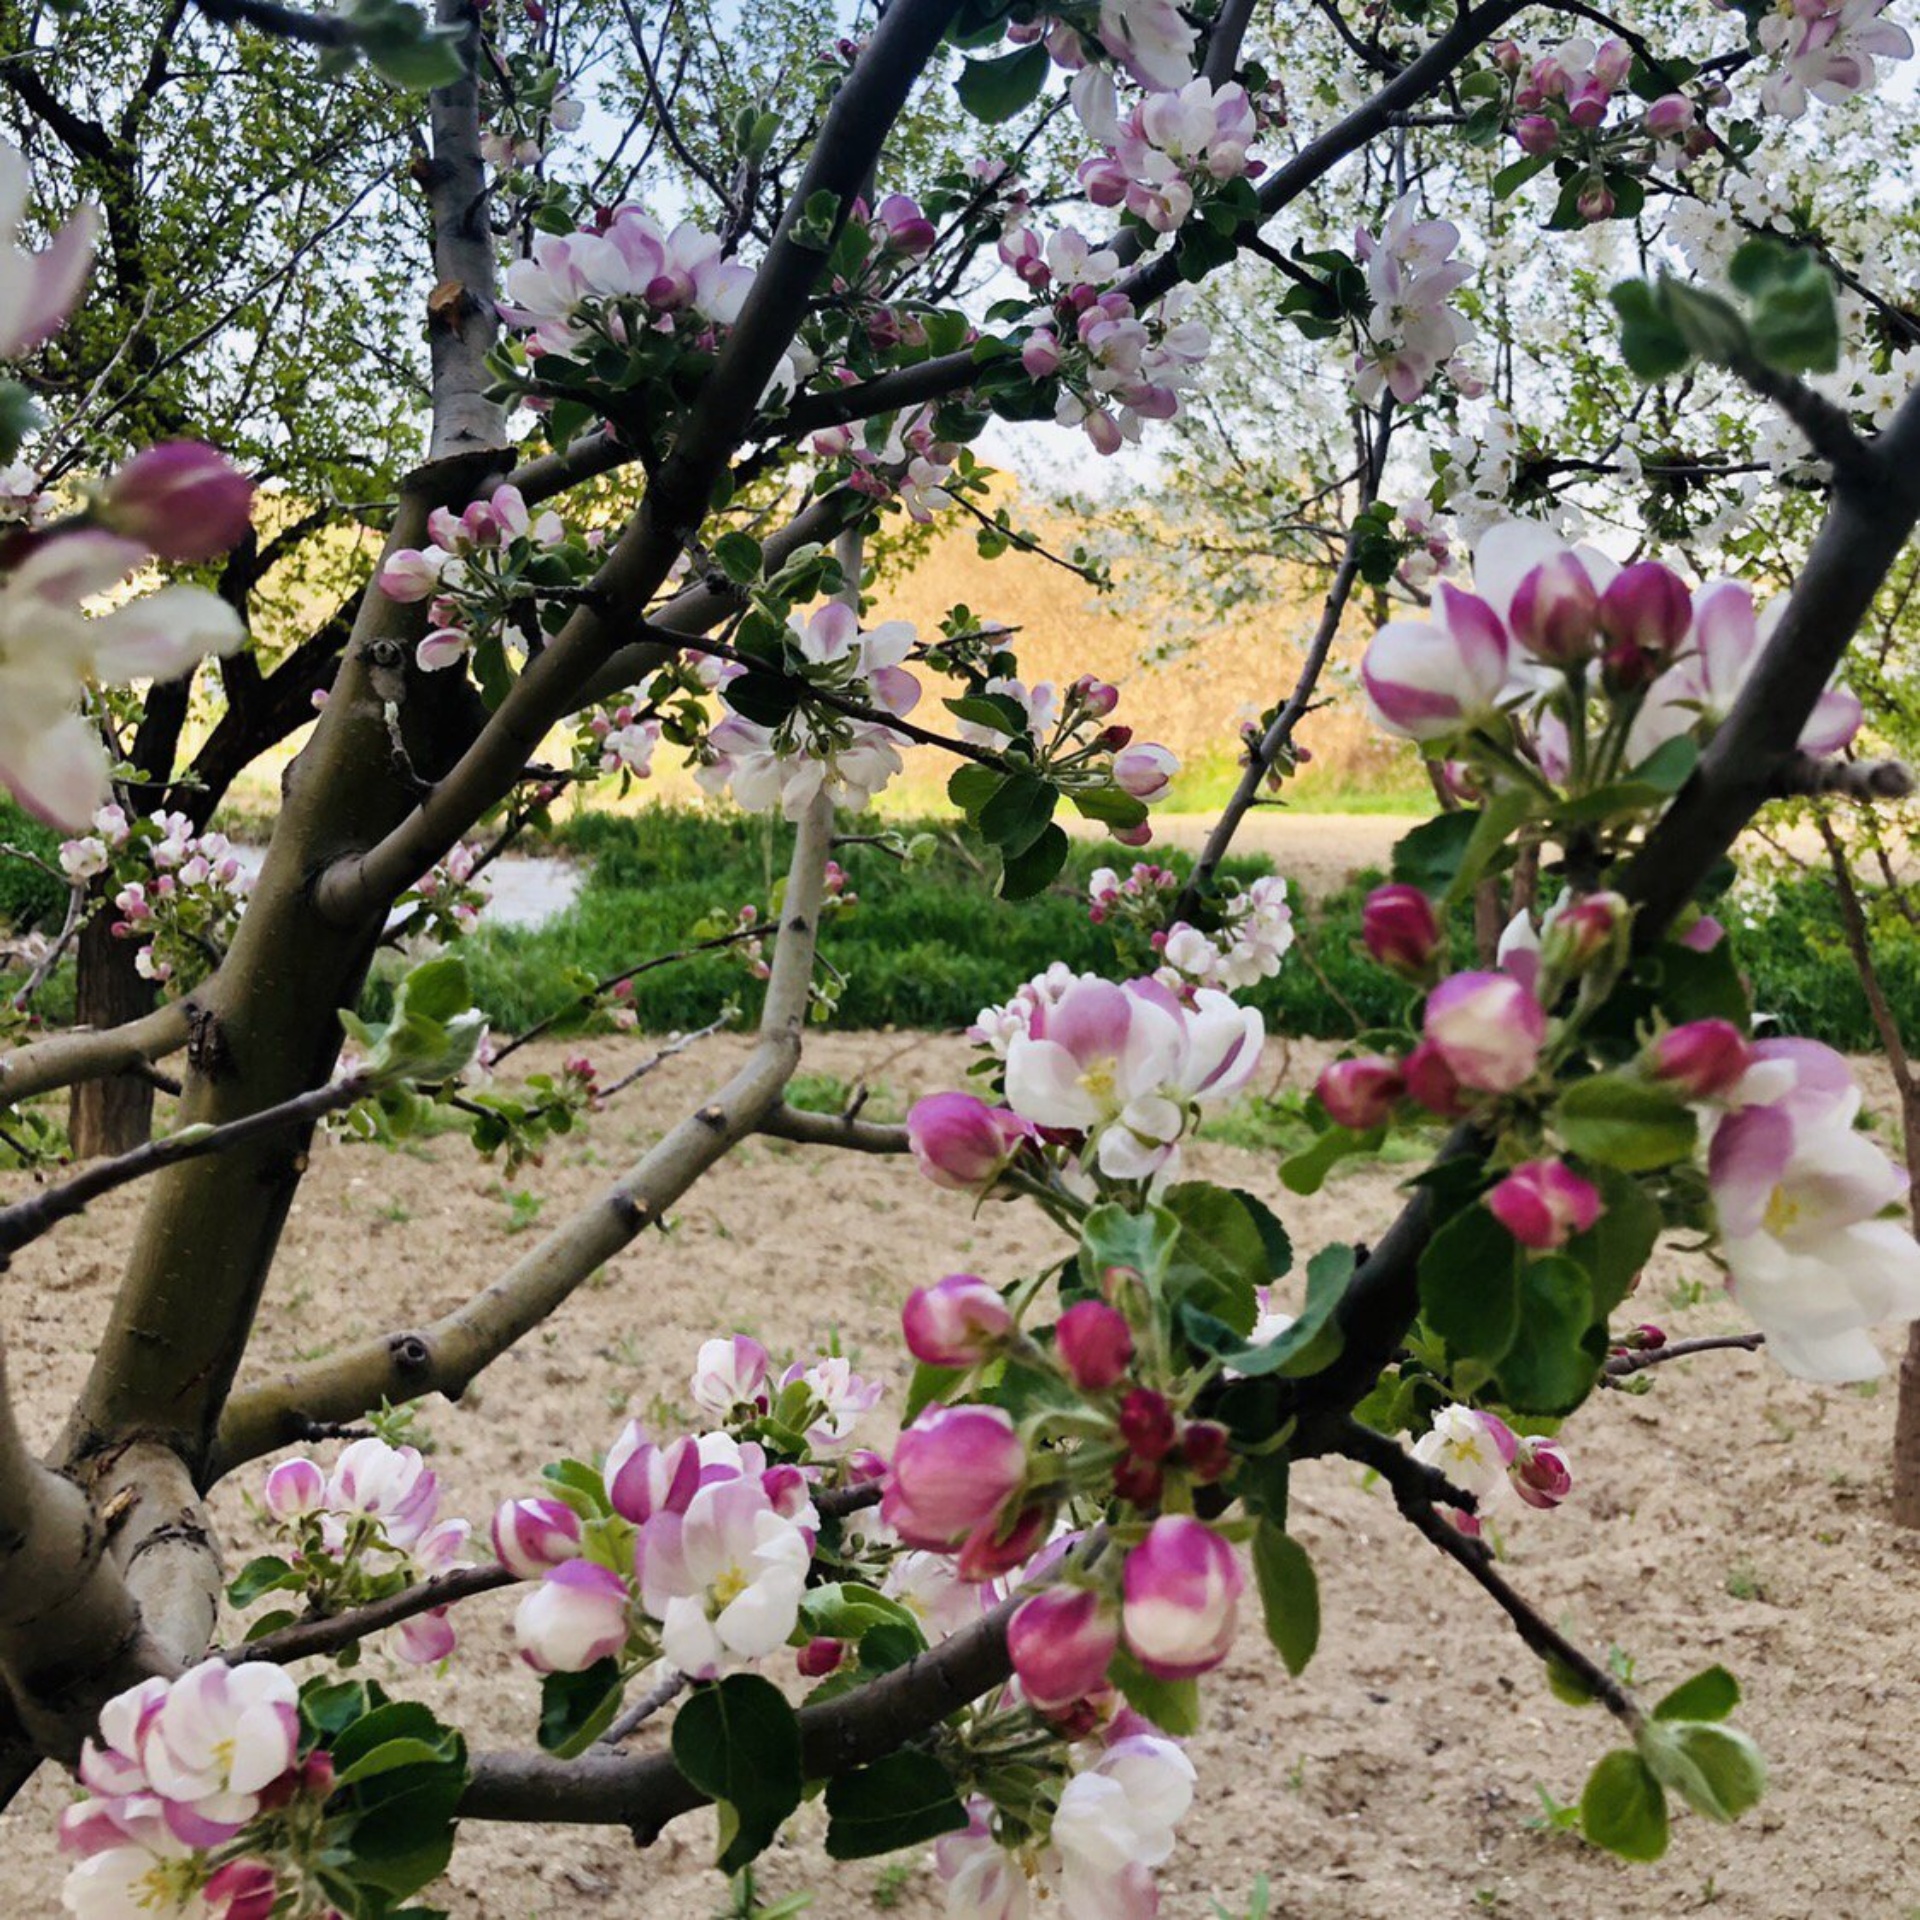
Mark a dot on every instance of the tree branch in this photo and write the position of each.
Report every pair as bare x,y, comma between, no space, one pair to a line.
307,1637
87,1054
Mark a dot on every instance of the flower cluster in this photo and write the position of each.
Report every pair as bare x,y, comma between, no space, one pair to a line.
178,892
1546,629
910,464
444,904
1150,41
367,1529
483,572
1173,151
1093,1849
1412,334
1826,51
696,1551
786,762
1112,1076
1252,932
1562,101
1481,1455
1114,368
199,1803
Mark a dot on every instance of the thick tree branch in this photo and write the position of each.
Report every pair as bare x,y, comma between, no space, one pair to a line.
834,1130
43,1066
306,1638
445,1356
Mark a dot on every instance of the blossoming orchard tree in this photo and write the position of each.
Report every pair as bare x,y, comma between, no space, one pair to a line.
667,435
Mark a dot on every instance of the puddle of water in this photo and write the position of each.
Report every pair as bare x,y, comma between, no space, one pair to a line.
528,890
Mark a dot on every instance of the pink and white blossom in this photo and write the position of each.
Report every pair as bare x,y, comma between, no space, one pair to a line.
1181,1590
953,1470
957,1322
575,1617
1431,679
1544,1203
1487,1029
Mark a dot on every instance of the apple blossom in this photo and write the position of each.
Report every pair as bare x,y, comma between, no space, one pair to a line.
729,1374
1114,1824
958,1322
1181,1589
1538,1472
1797,1193
1003,1542
532,1536
1431,679
1471,1449
724,1579
294,1488
575,1617
1487,1028
1094,1343
953,1470
392,1485
1060,1643
1145,771
1826,51
1432,1082
982,1881
841,1397
221,1736
1544,1203
37,290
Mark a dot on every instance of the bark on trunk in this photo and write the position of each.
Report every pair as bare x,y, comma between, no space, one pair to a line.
113,1115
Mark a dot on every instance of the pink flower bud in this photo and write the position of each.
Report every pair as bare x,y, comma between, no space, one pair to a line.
1097,698
1041,356
1553,611
574,1617
1646,1338
1181,1589
1431,1083
1146,1424
1360,1094
729,1374
1536,134
1506,55
182,499
1544,1203
1487,1028
1612,63
1060,1643
1539,1472
241,1890
1095,1345
1670,116
295,1488
1595,203
997,1546
531,1536
1399,929
908,231
1207,1448
1582,929
1587,103
1140,1481
1645,613
960,1142
954,1469
818,1658
1146,771
316,1774
956,1323
1702,1059
643,1479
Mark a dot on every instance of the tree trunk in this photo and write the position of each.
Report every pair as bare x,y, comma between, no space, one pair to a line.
116,1114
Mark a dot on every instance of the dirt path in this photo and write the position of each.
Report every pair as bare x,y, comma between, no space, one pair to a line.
1729,1515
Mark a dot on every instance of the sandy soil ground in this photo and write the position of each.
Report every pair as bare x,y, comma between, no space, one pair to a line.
1730,1515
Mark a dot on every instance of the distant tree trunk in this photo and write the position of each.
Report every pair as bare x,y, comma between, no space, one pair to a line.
1906,1424
116,1114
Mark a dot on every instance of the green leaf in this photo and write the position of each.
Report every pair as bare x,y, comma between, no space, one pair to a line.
1431,854
1626,1123
739,1743
1310,1345
1017,814
1623,1808
971,786
904,1800
1110,806
844,1610
1618,1245
739,558
1470,1285
1289,1594
1510,179
1650,343
1709,1695
263,1575
1172,1705
1567,1686
577,1708
1307,1170
383,1759
928,1385
1795,324
1221,1255
1550,1368
1717,1771
1712,327
995,90
1036,869
1493,825
18,418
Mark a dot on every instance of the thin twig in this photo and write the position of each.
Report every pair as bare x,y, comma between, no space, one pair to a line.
308,1637
1638,1360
